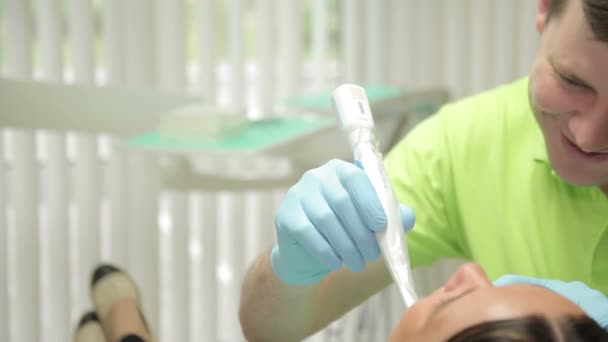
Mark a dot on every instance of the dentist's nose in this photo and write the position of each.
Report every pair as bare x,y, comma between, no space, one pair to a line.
590,131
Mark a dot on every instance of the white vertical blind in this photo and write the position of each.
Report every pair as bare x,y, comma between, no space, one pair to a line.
132,36
400,39
527,40
252,235
170,48
349,326
4,257
429,56
505,39
377,49
178,234
24,302
395,308
480,33
138,44
236,52
118,180
319,45
55,239
50,38
204,321
86,185
265,54
17,39
291,46
352,41
143,194
81,32
113,38
142,190
231,262
206,30
85,212
456,17
22,229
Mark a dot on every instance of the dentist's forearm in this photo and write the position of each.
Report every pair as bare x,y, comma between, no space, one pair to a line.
273,311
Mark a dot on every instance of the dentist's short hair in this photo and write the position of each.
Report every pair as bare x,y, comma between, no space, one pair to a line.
596,13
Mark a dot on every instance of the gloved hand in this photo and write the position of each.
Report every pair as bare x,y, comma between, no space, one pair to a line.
328,218
593,302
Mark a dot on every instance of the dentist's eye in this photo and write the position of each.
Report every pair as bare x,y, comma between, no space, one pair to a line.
572,82
569,81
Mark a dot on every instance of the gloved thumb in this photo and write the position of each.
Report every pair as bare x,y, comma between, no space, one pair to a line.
407,217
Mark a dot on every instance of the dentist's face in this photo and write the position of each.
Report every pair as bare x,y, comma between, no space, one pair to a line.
569,95
469,298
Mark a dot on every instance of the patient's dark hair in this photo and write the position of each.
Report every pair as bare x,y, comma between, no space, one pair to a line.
596,13
534,328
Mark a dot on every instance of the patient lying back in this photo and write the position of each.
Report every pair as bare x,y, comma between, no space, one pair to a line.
470,308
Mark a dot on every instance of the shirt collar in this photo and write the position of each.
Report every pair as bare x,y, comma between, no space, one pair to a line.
539,148
539,152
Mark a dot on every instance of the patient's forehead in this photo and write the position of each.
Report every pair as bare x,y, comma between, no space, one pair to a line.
498,303
526,299
514,299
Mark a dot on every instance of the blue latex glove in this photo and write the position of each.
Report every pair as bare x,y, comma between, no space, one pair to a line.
326,219
593,302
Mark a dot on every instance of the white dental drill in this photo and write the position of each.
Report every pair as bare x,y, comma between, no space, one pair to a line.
352,106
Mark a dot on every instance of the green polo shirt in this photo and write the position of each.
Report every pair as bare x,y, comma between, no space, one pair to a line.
478,177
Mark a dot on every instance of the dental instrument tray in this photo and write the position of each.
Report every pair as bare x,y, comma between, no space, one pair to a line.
302,132
256,136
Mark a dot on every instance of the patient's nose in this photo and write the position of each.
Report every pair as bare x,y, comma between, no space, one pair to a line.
468,276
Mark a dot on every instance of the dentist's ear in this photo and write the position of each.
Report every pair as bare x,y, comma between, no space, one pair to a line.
541,15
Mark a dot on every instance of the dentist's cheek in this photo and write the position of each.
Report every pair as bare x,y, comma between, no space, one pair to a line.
549,97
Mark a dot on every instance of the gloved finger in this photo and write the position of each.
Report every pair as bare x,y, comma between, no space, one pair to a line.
340,202
293,226
364,196
407,217
323,218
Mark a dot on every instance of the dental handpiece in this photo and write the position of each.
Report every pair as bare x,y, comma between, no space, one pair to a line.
352,106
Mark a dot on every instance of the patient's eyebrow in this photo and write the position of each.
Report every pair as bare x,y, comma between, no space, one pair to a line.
444,305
